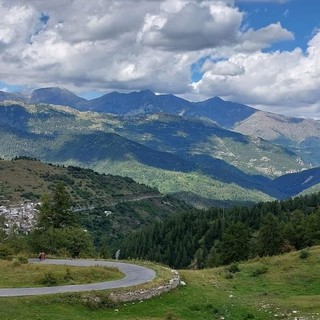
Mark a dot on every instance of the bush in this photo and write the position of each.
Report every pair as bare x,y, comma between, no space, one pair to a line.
49,279
16,263
233,268
304,254
248,316
22,259
98,301
259,271
229,275
68,276
5,252
170,316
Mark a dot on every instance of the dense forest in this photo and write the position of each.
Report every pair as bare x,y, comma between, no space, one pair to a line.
217,236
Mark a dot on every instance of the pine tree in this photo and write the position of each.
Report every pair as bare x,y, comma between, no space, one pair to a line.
55,210
235,243
270,239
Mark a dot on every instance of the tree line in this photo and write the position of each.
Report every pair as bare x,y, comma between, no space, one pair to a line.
195,238
218,236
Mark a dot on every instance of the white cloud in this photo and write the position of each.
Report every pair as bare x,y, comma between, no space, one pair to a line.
257,39
283,82
137,44
194,27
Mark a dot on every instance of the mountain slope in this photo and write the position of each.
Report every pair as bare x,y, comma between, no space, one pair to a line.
225,113
61,135
302,136
204,142
176,154
295,183
56,96
129,205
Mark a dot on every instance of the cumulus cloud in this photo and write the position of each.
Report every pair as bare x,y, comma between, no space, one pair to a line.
136,44
256,39
195,27
285,82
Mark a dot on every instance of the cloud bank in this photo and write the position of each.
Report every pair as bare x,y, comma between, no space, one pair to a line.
151,44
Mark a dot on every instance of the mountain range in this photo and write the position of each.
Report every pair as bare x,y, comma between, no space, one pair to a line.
213,150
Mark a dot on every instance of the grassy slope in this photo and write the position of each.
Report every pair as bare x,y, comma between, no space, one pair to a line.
174,181
19,177
311,190
132,204
15,275
290,288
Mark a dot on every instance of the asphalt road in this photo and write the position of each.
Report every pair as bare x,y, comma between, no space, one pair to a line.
134,275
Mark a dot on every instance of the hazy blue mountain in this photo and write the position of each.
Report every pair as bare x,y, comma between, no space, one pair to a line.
173,144
295,183
142,102
56,96
12,96
225,113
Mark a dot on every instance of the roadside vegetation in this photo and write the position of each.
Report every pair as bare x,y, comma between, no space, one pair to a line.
280,287
16,274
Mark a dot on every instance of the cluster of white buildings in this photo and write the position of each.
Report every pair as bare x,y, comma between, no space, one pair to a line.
19,218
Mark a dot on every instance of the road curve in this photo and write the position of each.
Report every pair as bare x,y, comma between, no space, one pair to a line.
134,275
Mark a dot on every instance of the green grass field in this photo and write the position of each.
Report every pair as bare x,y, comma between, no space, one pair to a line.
282,287
15,274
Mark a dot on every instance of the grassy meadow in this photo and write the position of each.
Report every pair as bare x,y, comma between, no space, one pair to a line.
281,287
15,274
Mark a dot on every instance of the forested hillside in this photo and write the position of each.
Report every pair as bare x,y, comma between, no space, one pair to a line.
218,236
107,206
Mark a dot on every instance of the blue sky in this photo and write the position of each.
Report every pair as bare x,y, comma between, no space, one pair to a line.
300,17
263,53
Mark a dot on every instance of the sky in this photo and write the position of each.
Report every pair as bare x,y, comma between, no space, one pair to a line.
263,53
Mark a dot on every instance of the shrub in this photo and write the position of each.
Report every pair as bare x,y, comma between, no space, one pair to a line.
22,259
68,276
233,268
304,254
229,275
98,301
16,263
259,270
49,279
5,252
170,316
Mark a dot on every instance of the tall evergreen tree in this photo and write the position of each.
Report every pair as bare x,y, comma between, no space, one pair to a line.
55,210
270,238
235,243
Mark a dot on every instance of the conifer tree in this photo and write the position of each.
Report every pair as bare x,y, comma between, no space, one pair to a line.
270,238
55,210
235,243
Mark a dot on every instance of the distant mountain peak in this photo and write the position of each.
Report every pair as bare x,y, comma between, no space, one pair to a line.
147,92
56,95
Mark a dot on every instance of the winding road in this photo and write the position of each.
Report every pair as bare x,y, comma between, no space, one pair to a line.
134,275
